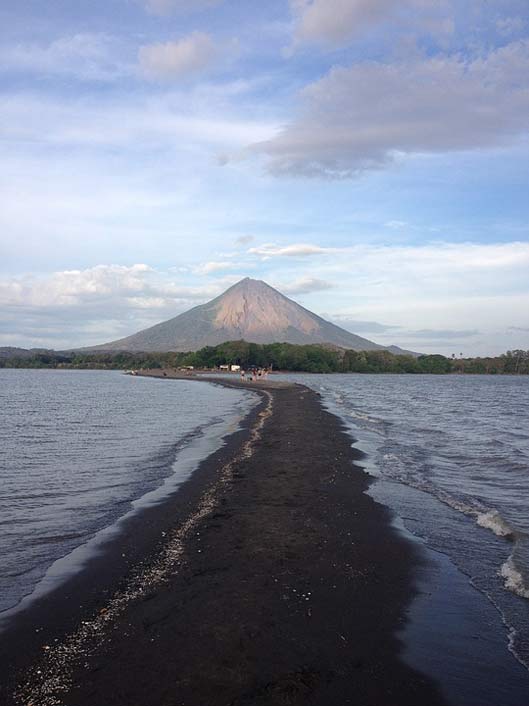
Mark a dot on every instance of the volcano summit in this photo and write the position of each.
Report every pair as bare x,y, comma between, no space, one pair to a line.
249,310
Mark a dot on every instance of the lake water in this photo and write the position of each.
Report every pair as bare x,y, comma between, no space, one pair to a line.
451,455
80,449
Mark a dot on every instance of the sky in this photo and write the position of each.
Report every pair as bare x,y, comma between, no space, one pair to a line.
369,158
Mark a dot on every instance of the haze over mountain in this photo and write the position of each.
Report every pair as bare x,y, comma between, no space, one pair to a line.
249,310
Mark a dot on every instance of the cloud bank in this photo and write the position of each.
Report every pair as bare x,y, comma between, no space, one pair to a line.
365,116
425,294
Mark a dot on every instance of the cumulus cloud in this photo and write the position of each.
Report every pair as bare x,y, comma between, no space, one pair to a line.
73,287
305,285
268,250
337,21
364,116
102,287
434,294
166,7
187,56
84,307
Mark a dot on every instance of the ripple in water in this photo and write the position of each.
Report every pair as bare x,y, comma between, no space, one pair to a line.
465,441
78,447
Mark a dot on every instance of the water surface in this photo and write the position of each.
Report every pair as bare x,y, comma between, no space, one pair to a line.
463,442
77,448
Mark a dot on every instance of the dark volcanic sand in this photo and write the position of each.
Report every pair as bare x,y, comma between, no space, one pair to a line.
285,587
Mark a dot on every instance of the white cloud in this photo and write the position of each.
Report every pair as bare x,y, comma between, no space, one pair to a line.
86,56
73,287
363,117
208,268
71,308
439,290
304,285
396,225
442,287
337,21
191,55
166,7
268,250
106,285
171,120
508,26
436,294
437,264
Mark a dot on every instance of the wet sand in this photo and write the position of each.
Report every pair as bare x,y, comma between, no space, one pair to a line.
269,578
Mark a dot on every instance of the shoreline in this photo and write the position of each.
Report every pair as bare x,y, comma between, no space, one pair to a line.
50,618
179,463
280,581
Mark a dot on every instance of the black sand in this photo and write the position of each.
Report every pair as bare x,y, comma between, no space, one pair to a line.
278,581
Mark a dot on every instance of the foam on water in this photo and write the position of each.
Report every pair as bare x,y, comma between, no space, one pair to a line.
494,521
513,579
463,440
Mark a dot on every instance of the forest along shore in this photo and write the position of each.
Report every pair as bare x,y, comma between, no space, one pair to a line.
279,581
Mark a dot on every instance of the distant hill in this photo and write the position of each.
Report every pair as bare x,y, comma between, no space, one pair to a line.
249,310
12,352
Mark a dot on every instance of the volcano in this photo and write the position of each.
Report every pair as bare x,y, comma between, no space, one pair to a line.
249,310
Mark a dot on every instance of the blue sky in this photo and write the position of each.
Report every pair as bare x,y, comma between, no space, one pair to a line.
368,158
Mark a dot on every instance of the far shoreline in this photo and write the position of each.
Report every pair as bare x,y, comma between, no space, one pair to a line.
285,357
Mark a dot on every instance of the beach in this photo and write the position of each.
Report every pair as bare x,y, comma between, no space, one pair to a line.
270,577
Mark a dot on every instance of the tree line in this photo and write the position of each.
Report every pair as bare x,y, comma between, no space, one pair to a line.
278,356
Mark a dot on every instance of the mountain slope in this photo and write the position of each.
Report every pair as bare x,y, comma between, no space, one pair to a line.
250,310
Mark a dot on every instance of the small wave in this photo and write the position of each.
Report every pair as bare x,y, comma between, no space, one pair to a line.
513,579
485,517
512,646
494,521
363,417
